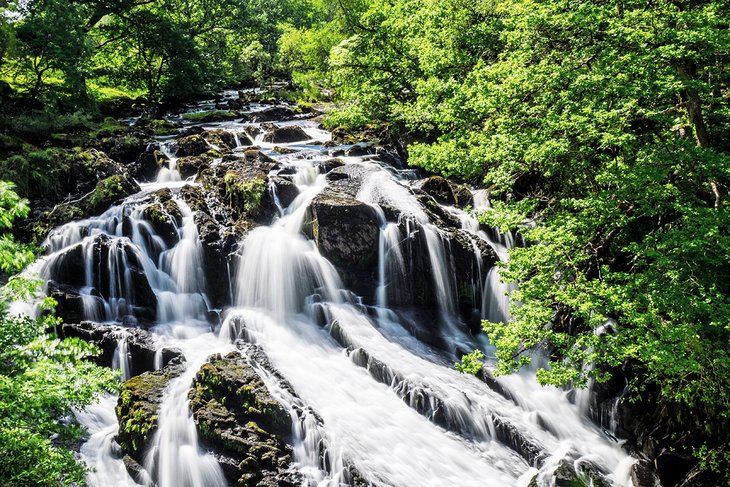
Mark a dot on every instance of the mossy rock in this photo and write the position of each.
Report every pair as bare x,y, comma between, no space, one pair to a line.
137,408
244,193
109,190
241,422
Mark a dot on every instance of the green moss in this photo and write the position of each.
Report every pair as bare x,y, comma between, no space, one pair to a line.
247,193
107,190
137,408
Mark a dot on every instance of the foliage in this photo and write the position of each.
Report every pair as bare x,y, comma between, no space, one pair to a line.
601,130
471,363
41,377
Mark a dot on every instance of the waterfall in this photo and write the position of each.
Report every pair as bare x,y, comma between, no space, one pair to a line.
364,390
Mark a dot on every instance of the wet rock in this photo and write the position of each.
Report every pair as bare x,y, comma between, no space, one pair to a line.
286,191
222,139
238,183
644,475
140,345
192,165
215,263
360,150
71,306
330,164
139,300
137,408
284,135
564,475
149,164
108,191
162,222
243,425
673,466
346,232
128,149
257,159
190,145
462,195
508,434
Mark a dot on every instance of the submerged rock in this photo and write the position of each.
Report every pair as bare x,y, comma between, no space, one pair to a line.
243,425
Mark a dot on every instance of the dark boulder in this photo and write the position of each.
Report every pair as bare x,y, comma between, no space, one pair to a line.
241,423
222,139
108,191
285,135
330,164
149,164
438,188
135,299
346,232
191,165
286,192
128,149
190,145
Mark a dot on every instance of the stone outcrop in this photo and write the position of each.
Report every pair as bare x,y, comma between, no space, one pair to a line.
241,423
137,408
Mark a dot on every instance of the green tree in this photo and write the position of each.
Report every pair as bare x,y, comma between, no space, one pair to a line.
41,377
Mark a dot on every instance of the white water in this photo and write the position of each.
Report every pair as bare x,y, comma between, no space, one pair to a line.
389,405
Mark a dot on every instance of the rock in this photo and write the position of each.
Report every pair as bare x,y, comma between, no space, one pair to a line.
564,475
241,423
285,135
673,467
222,139
330,164
360,150
108,191
438,188
137,408
163,222
128,149
149,164
346,232
508,434
135,299
286,191
215,262
643,475
192,165
140,345
462,195
190,145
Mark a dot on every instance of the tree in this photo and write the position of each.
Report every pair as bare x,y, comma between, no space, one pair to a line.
41,377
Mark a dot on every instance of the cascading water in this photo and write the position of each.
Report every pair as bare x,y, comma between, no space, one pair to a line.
363,390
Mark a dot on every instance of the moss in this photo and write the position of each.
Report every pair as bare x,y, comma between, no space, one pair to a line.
107,190
137,407
246,193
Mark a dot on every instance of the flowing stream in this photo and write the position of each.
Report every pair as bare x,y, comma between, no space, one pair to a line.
386,402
